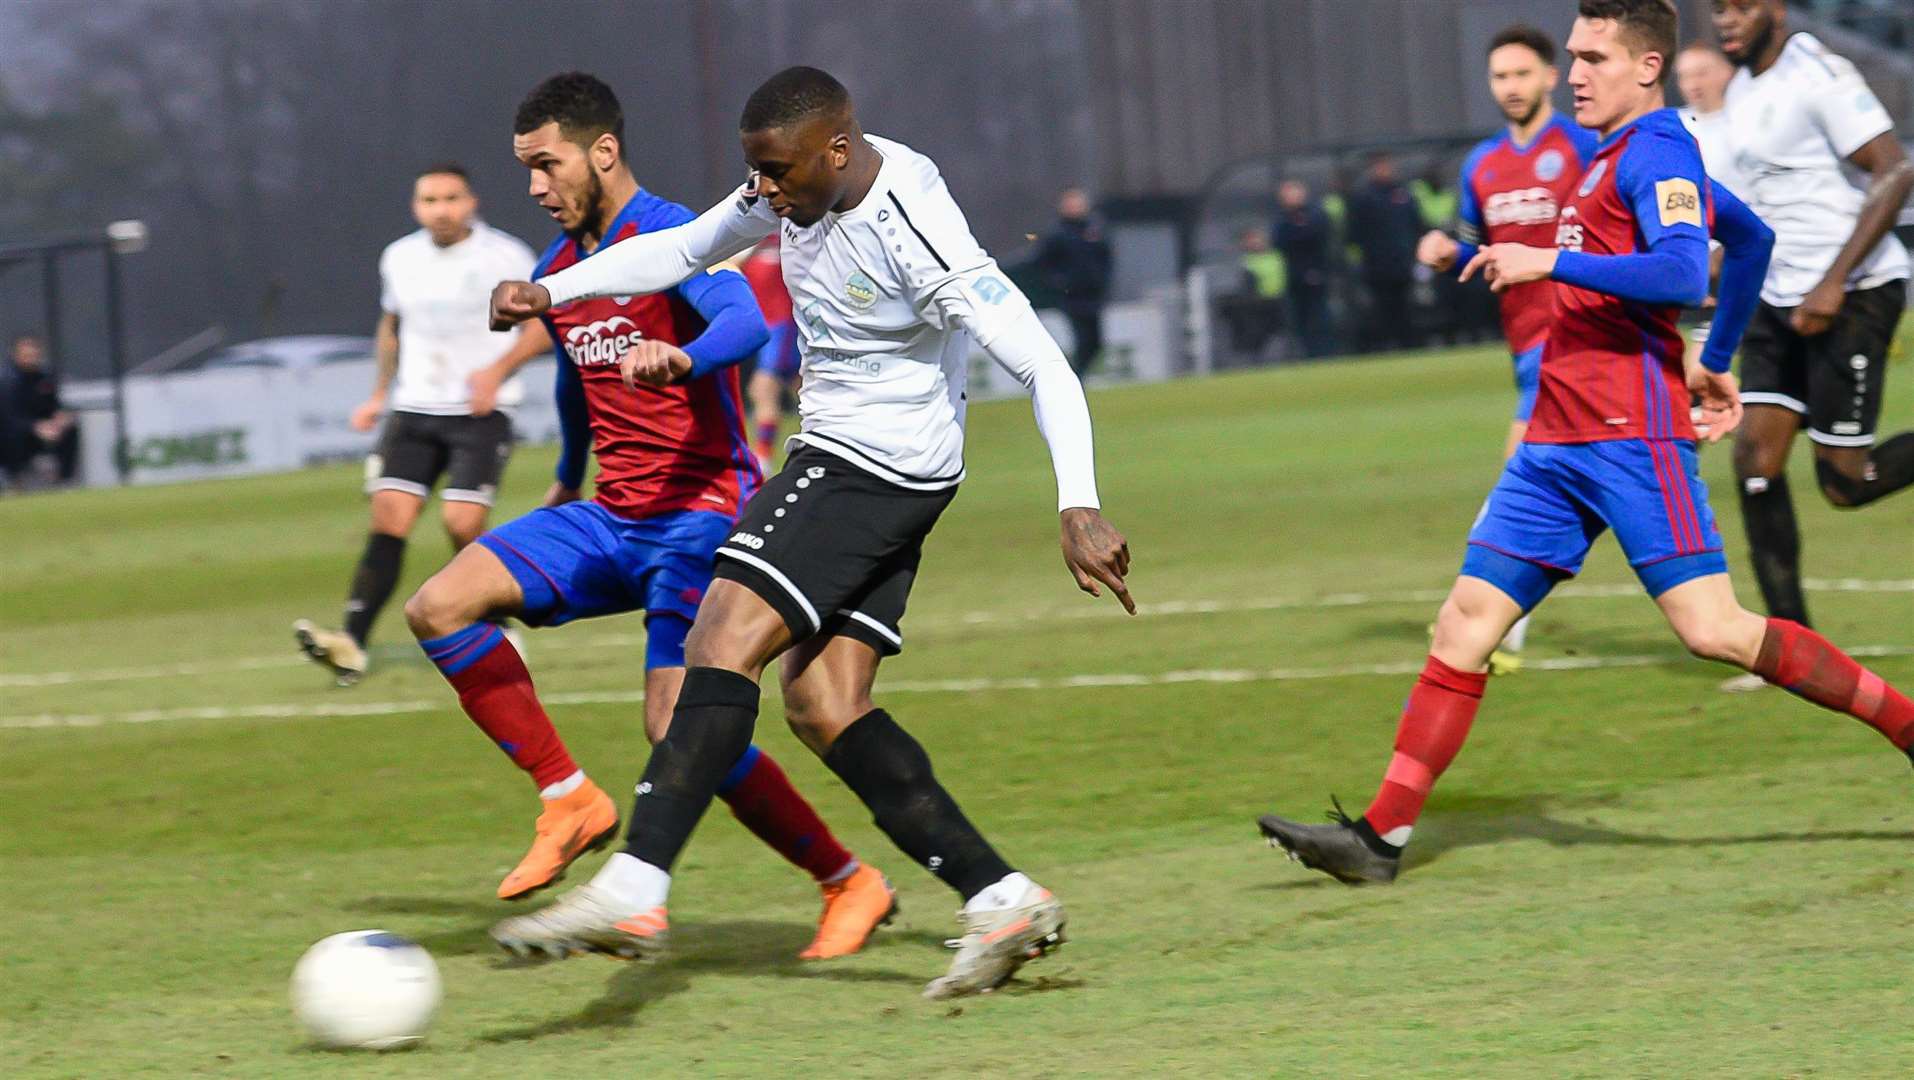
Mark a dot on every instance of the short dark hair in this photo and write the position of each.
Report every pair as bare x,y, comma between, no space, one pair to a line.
792,95
1651,25
446,168
1526,36
581,105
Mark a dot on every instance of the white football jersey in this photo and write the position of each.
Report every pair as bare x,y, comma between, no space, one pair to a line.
443,297
1717,149
1792,129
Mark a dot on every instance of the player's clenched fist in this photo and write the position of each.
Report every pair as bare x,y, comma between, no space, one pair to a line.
1437,250
513,302
1095,551
654,363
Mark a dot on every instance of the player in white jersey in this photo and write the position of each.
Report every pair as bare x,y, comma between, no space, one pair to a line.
890,289
445,379
1816,351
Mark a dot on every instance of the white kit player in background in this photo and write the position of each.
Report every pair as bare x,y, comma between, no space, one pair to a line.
888,289
1815,353
445,380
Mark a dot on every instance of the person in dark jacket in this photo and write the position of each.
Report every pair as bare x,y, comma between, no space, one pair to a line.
1074,264
1384,224
1307,242
34,422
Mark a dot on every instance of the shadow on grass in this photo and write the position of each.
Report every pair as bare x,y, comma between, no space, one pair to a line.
1480,820
742,946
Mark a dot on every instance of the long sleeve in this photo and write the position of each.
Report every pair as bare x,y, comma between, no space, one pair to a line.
655,261
734,327
574,424
1746,243
1662,179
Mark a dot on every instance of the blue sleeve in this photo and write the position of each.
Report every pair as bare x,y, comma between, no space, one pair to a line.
1468,211
1586,142
574,422
734,326
1662,180
1746,243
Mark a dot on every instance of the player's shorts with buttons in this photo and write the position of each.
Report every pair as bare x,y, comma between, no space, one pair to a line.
1554,500
833,548
579,560
1834,379
416,449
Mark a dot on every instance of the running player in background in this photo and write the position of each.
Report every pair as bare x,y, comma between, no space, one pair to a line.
650,384
891,290
1702,72
1612,445
1817,351
1512,185
449,384
777,366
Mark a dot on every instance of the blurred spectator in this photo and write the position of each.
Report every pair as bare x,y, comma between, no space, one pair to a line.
1074,262
1306,242
32,423
1254,313
1385,223
1437,199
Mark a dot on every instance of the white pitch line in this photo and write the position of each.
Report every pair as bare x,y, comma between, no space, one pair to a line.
963,620
1113,680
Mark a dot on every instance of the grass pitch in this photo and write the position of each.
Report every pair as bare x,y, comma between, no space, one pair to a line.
1625,874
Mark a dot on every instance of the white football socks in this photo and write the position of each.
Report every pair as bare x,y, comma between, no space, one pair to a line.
1398,836
564,787
632,883
1009,891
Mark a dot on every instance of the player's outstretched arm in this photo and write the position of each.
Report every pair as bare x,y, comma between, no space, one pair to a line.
1890,180
574,434
1005,326
1746,244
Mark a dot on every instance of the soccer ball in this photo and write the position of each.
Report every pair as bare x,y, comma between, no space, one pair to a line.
365,990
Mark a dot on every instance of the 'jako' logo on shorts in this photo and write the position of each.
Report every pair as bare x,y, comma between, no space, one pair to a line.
745,539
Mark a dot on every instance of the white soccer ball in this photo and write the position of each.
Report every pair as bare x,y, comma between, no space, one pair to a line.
365,990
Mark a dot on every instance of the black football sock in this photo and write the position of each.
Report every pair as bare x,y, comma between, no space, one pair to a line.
1890,468
373,582
710,730
890,771
1774,545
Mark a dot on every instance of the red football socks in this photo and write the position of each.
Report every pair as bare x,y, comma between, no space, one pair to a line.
1806,664
1434,724
761,796
496,692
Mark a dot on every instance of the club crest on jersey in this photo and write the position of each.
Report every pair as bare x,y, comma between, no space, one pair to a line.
1679,201
1594,177
860,290
1548,165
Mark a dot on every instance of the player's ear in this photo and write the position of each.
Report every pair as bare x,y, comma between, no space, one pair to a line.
1648,69
840,149
604,152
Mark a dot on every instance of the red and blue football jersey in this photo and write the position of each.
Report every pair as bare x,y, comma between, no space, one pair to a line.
659,448
1511,194
1612,368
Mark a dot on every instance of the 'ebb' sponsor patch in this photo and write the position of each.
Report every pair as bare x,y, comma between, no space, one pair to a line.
1679,201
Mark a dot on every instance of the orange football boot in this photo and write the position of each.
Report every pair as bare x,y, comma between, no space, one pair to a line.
853,909
569,827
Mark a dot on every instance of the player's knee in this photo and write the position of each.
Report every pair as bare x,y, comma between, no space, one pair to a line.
435,611
1708,639
1842,490
1753,459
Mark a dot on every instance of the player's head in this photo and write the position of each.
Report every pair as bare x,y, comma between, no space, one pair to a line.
1521,71
799,138
443,202
570,132
1749,28
1073,204
28,351
1620,51
1702,74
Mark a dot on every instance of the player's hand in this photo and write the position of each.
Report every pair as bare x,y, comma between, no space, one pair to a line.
1718,403
1504,266
366,416
513,302
558,495
484,384
654,363
1818,309
1095,551
1437,250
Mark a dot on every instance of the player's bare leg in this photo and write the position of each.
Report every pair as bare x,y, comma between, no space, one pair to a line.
1367,850
1762,444
394,513
454,615
1007,918
1507,657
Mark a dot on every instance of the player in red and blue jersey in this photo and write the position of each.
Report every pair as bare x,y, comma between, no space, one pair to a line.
1612,443
1513,186
777,365
649,385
